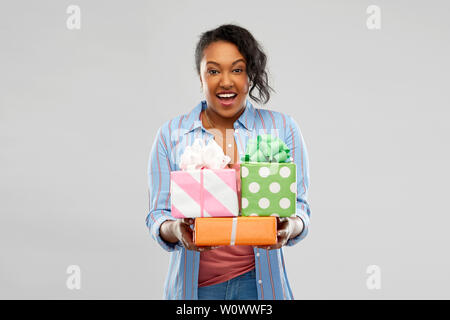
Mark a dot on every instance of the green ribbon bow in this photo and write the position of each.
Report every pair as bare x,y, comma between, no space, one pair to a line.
266,148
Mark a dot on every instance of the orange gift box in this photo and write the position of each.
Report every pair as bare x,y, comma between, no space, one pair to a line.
235,231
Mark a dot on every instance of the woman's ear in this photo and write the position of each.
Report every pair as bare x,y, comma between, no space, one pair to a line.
201,85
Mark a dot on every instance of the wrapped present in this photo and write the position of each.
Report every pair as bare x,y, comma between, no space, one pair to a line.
235,231
203,188
268,181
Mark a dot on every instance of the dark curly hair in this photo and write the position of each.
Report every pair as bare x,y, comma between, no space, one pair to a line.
249,48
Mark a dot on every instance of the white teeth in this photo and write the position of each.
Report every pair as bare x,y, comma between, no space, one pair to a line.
227,95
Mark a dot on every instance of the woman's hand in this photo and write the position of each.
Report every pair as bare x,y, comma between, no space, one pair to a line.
179,230
287,228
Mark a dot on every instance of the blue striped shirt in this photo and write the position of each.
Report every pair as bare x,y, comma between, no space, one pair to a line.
171,140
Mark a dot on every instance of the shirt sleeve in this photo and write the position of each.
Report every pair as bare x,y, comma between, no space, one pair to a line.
294,141
159,190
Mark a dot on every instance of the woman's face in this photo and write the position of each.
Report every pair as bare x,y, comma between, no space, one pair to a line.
223,70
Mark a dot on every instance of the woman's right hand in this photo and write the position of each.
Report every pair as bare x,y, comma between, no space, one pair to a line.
180,231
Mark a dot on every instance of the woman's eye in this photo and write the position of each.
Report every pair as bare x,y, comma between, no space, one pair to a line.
212,71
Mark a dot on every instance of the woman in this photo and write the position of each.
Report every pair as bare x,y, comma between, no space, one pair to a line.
230,65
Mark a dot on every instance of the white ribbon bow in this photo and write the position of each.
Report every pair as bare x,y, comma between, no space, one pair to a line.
200,156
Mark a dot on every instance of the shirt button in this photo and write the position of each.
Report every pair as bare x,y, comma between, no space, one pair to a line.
257,254
230,145
237,130
259,281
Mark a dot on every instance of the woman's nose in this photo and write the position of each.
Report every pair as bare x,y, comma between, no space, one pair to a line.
225,80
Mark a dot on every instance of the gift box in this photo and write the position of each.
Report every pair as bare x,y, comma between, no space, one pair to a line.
204,187
268,182
268,189
204,193
235,231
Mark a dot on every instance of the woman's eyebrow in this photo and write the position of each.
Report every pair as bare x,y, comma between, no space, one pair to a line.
238,60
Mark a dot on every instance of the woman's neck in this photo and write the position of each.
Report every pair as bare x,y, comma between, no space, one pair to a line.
214,120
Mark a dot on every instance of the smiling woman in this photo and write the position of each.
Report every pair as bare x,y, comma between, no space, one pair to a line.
231,66
224,81
231,53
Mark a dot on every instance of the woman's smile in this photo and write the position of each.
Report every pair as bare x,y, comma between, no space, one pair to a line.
227,98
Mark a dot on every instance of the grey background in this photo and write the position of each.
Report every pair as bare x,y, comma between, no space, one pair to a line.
79,111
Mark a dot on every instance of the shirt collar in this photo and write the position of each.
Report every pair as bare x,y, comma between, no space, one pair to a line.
192,120
247,118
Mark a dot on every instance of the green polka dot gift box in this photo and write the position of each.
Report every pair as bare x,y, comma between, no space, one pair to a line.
268,181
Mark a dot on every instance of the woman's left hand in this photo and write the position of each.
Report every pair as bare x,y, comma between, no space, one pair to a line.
287,228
